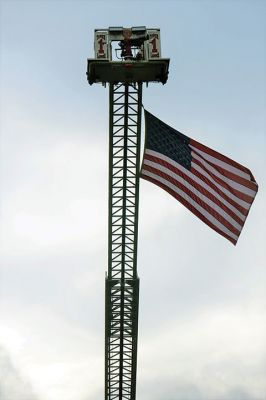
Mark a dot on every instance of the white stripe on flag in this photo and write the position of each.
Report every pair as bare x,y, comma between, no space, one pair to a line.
221,163
241,202
198,194
229,182
200,209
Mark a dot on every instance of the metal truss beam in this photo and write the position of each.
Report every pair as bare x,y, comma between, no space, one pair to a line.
122,283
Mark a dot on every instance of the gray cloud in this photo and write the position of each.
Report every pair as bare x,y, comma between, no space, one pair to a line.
173,389
13,386
169,390
54,127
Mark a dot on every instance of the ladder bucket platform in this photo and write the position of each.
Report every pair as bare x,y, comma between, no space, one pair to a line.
127,71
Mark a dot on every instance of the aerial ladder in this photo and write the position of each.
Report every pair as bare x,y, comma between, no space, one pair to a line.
125,58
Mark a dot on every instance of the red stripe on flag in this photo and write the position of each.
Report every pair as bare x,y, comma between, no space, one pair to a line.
241,209
208,182
221,182
197,199
188,206
230,175
221,157
196,185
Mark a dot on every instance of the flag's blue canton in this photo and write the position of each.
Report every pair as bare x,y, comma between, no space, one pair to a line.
167,141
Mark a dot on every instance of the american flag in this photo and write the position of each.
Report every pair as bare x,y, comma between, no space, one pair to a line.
215,188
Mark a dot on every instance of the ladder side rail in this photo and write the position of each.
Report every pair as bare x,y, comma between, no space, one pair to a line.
122,285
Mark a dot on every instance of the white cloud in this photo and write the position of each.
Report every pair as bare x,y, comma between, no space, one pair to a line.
60,360
214,355
57,201
13,385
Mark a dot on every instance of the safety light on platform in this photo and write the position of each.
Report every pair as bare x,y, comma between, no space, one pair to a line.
138,29
116,29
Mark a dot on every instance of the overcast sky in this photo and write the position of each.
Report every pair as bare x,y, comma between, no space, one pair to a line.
202,324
